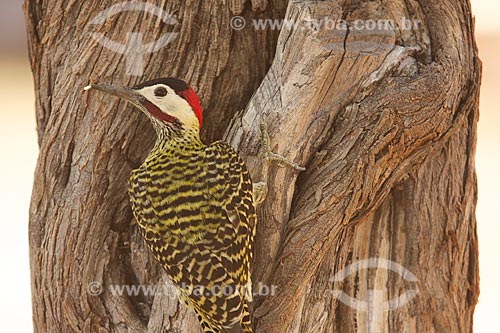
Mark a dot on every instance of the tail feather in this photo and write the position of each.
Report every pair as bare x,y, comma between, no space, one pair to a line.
245,326
236,329
246,322
240,328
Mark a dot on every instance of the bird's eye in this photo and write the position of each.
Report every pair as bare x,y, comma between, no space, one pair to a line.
160,92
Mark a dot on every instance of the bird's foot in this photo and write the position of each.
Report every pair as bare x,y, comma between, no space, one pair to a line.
267,156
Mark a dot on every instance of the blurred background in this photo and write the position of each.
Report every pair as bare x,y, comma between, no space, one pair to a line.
18,148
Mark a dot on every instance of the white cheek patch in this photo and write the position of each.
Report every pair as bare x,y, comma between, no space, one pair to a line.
172,104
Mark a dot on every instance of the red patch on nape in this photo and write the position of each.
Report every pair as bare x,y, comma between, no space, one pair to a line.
157,113
192,99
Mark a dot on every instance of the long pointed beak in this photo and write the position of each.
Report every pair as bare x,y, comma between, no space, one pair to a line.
125,93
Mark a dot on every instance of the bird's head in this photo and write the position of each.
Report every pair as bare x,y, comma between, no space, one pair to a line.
168,102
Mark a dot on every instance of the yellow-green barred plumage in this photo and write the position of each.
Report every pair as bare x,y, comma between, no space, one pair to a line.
194,207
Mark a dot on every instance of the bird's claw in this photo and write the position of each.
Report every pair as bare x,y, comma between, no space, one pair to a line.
260,188
269,156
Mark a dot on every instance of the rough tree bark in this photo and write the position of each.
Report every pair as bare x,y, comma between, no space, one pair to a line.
384,120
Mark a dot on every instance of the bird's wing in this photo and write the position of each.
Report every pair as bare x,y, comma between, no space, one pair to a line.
229,188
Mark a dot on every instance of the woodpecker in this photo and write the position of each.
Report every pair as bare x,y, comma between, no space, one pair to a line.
194,205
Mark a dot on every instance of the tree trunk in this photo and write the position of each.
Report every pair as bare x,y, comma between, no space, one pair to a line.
384,119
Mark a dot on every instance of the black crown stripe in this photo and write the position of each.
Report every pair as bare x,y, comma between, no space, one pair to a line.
176,84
